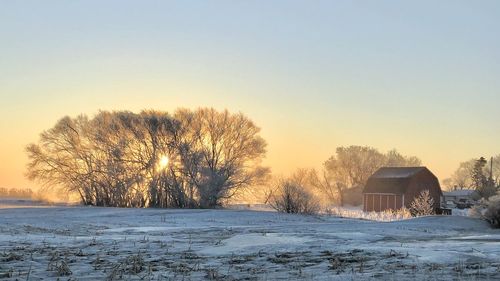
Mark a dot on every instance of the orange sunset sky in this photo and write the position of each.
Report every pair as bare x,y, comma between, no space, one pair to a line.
421,78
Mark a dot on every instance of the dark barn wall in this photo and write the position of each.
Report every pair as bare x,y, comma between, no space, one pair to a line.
399,202
381,202
390,202
367,203
424,180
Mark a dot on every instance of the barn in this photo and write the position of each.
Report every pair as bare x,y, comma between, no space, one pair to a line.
396,187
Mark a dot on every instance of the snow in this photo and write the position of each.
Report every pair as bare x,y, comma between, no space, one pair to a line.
162,244
245,242
460,212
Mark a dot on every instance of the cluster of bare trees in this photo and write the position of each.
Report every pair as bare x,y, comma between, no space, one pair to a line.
29,194
351,167
344,173
15,193
150,159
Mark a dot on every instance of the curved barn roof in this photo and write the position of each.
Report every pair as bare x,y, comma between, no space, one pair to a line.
392,179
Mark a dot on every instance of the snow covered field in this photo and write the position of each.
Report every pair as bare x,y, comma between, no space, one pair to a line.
84,243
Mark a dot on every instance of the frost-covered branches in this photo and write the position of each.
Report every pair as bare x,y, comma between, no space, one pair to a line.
489,210
386,215
114,159
492,213
294,195
423,205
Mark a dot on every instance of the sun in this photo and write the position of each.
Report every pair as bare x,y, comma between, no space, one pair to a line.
163,162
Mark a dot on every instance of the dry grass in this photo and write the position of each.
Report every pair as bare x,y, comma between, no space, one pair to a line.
388,215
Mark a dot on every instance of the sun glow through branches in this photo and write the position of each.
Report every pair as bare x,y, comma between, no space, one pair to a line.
163,162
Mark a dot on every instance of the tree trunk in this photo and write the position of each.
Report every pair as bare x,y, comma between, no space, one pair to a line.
341,194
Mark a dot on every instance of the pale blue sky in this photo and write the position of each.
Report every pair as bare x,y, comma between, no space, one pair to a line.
418,76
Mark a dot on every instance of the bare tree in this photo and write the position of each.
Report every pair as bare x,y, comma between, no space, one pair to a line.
222,153
462,177
448,184
326,184
353,165
63,158
395,159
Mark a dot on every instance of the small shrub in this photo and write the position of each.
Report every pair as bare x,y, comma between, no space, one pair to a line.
294,198
423,205
488,210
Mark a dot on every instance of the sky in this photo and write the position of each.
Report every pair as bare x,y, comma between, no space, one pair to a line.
421,77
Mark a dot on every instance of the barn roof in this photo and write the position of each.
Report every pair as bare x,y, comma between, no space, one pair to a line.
459,192
397,172
391,179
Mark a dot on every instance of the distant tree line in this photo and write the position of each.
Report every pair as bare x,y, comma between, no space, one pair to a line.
29,194
193,158
19,193
478,174
342,179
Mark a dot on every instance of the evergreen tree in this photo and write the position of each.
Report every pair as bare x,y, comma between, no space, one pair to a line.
477,174
484,185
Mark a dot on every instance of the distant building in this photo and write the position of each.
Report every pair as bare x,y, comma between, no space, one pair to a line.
456,195
460,197
396,187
